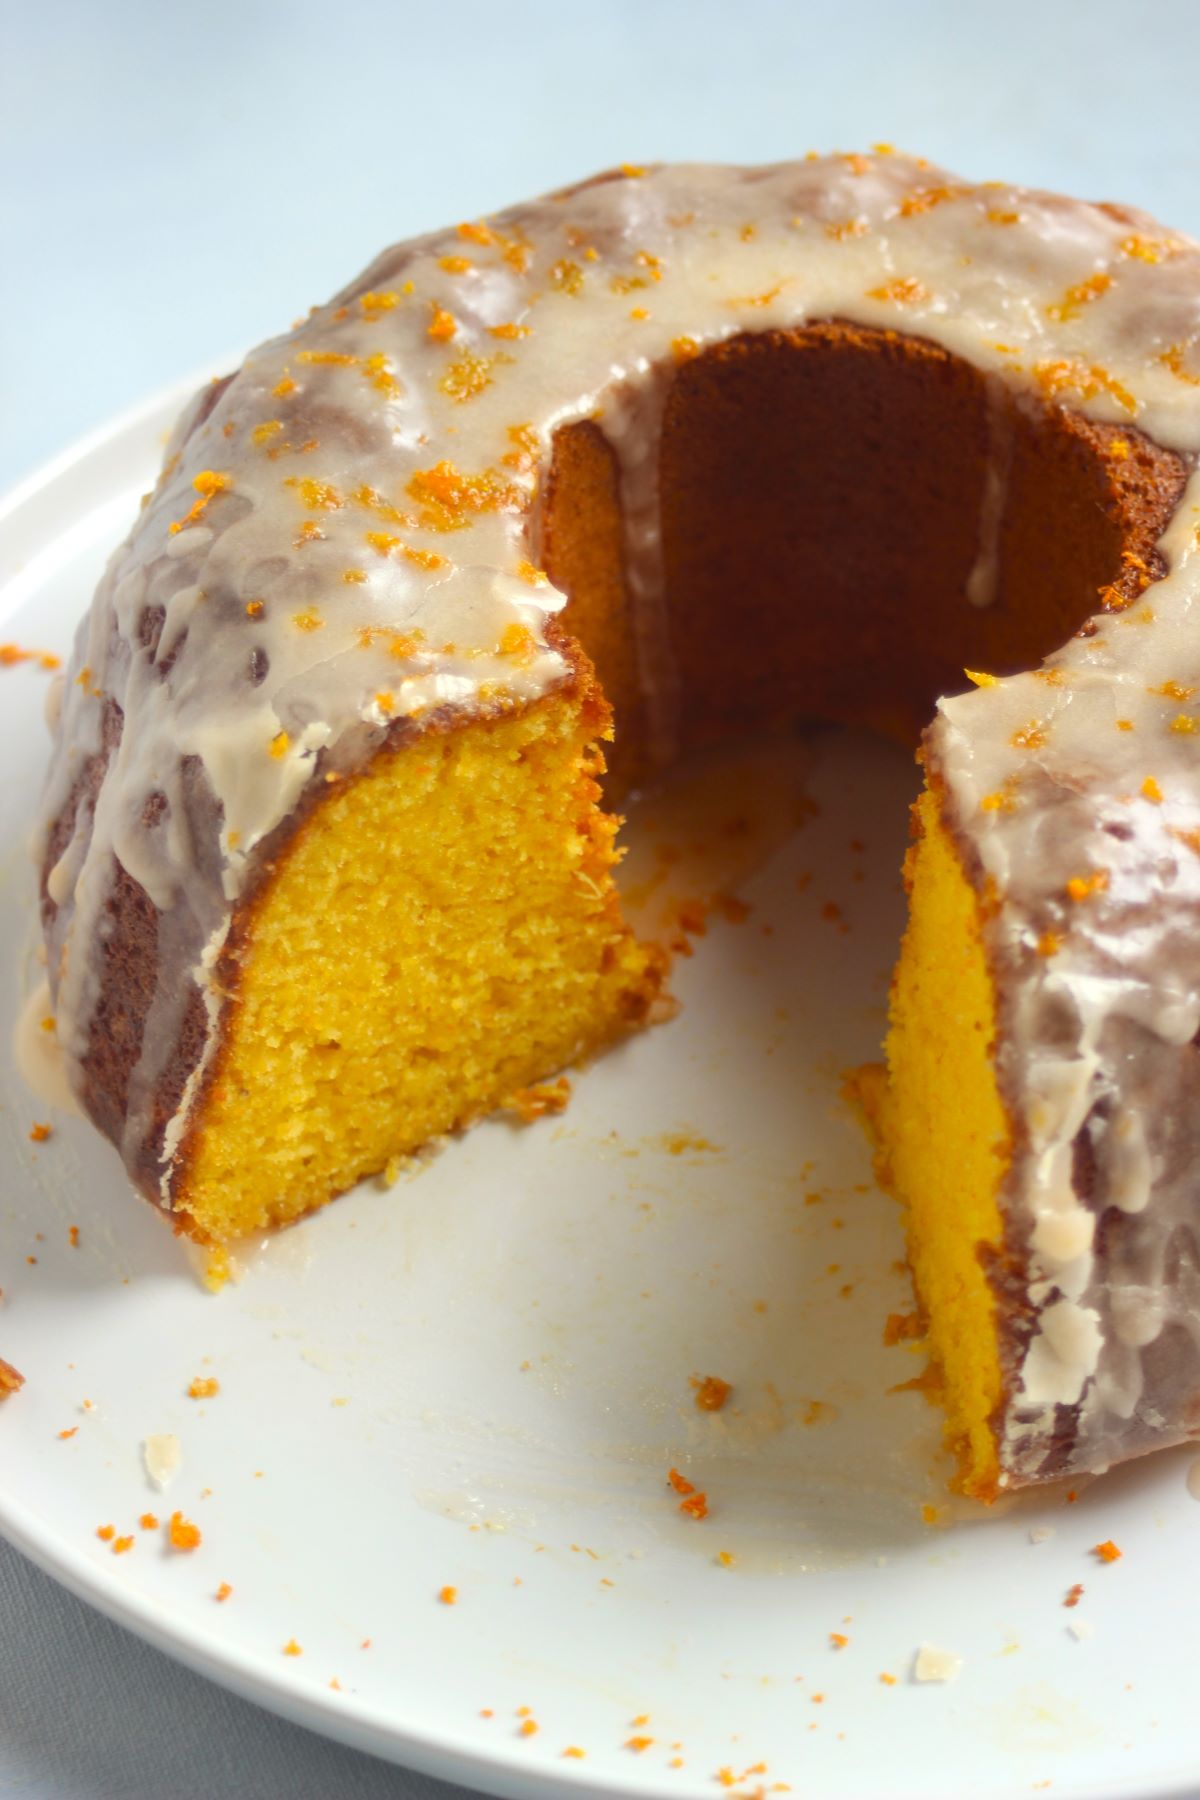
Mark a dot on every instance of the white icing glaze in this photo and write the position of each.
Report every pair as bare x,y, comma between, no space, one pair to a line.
311,569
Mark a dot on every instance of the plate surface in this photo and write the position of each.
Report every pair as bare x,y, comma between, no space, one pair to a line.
480,1378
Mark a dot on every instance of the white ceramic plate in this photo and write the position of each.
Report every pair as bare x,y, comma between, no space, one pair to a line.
480,1379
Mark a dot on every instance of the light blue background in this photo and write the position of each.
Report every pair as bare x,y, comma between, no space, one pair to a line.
180,180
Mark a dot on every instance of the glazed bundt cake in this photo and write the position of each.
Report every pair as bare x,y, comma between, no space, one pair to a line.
326,867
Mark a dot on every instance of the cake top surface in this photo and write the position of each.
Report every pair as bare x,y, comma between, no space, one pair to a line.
345,533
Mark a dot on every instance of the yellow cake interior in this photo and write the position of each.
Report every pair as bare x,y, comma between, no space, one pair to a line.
944,1135
443,933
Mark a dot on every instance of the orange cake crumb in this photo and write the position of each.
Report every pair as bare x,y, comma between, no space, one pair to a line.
638,1744
1074,1594
121,1545
528,1727
711,1392
292,1648
448,1596
223,1592
1107,1551
39,1133
68,1431
149,1521
546,1097
203,1387
695,1506
182,1533
680,1483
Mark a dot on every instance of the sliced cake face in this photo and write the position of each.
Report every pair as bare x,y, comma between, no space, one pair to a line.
756,443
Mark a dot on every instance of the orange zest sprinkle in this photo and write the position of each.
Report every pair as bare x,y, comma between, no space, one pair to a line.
476,232
442,325
330,358
1079,296
455,265
39,1133
1183,724
374,304
106,1533
980,679
308,620
1172,358
448,1596
149,1521
121,1545
292,1648
903,290
510,332
887,1680
183,1535
1107,1551
11,654
1151,790
465,379
528,1727
1085,379
638,1744
1074,1594
68,1432
283,387
279,745
838,1639
574,1750
680,1483
254,609
203,1387
449,499
695,1506
208,484
1082,887
11,1380
1049,944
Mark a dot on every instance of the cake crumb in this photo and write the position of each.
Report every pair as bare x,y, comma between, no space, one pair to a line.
223,1592
149,1521
448,1596
530,1103
695,1506
68,1432
528,1727
39,1133
1074,1594
638,1744
121,1545
203,1387
711,1392
1107,1551
931,1664
183,1535
838,1640
106,1533
292,1648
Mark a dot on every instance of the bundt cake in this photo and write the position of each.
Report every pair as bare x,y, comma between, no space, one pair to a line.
325,866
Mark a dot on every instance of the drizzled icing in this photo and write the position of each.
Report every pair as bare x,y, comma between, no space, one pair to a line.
345,535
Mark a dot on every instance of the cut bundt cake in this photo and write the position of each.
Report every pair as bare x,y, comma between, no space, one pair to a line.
655,460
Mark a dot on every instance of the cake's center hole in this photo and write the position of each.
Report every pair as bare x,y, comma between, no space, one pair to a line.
849,518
